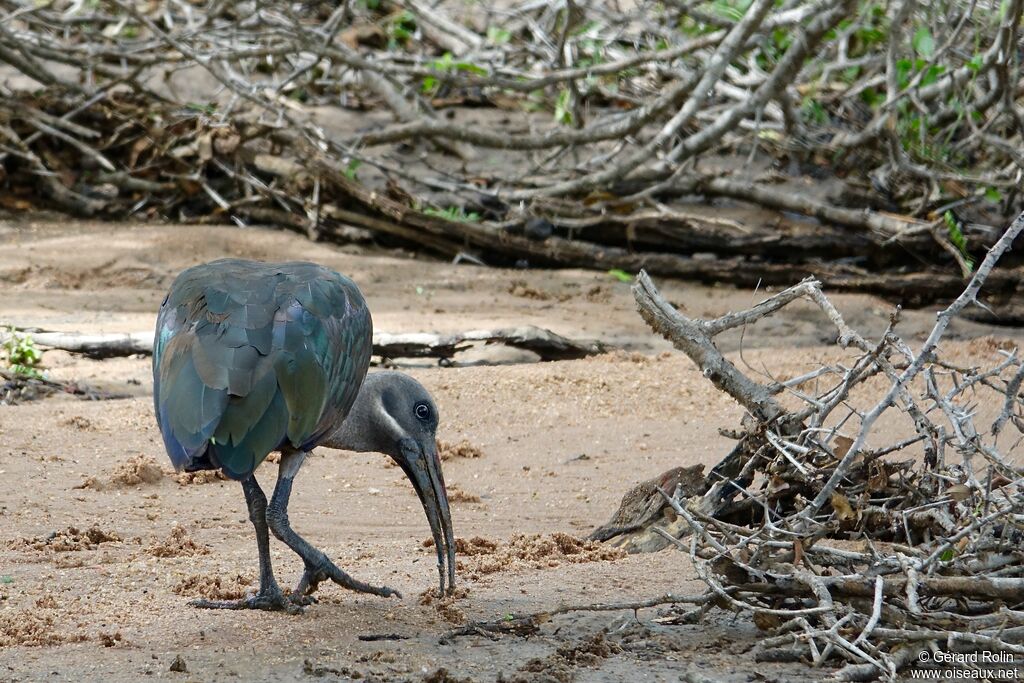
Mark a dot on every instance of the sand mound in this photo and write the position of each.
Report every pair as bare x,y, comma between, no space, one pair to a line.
214,587
445,606
200,477
177,544
462,449
472,546
527,551
521,289
111,639
71,539
560,667
31,630
137,470
457,495
442,675
77,422
47,602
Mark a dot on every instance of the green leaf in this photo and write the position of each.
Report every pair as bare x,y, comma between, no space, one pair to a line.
923,42
497,35
350,170
993,195
453,213
620,275
954,227
470,67
947,556
563,112
6,579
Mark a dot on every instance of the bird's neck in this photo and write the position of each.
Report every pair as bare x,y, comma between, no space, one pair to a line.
358,431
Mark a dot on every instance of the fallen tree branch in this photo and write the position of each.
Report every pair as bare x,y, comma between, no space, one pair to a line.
548,345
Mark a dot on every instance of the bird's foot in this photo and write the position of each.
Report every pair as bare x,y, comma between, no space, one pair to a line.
325,570
269,601
302,599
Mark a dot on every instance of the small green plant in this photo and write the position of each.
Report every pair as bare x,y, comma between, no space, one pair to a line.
620,275
350,170
209,109
497,35
402,28
22,355
453,213
563,108
956,236
447,64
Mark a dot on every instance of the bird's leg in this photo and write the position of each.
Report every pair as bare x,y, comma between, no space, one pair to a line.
319,567
270,596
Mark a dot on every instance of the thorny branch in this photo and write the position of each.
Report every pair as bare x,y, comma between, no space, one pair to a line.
937,561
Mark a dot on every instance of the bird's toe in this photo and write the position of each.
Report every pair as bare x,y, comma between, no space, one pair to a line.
268,602
302,600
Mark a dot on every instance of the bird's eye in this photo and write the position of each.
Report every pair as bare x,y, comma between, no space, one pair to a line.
422,411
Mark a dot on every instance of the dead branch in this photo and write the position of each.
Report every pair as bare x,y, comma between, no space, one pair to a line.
939,531
548,345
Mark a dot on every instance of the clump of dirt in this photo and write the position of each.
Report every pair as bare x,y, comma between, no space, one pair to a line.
178,665
470,546
598,294
311,668
200,477
78,422
528,551
29,629
560,666
457,495
177,544
646,643
442,675
214,587
71,539
461,449
138,469
46,602
111,639
445,606
523,290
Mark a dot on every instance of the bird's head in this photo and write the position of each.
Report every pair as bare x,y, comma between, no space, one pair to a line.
395,415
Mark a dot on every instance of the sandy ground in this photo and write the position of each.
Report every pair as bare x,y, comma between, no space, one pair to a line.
101,546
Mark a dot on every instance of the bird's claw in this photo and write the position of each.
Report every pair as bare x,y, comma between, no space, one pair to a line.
271,601
313,576
302,600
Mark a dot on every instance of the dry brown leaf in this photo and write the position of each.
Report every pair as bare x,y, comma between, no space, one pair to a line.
766,621
959,492
798,553
841,504
842,446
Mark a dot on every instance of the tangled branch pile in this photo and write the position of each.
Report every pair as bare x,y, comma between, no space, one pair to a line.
565,132
939,514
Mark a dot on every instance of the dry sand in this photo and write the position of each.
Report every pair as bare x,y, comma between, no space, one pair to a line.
101,546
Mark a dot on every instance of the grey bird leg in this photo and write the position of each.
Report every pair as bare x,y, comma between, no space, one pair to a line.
270,596
319,567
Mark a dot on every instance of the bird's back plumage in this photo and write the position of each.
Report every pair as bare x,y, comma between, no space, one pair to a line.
252,357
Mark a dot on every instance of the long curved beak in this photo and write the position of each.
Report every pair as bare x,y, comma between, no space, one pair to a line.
423,467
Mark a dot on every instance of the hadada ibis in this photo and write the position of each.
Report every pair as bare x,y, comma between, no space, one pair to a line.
251,358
